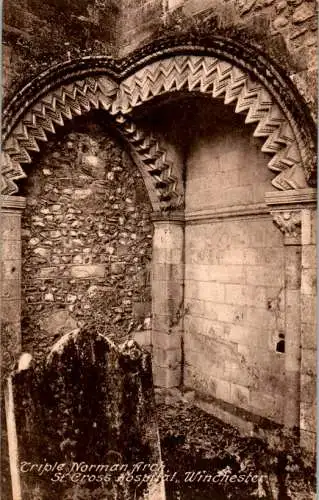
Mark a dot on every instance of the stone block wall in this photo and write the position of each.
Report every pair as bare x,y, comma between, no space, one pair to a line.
10,279
168,301
284,30
234,282
86,240
225,166
234,271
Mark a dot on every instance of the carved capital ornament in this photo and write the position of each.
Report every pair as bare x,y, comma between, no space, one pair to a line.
288,221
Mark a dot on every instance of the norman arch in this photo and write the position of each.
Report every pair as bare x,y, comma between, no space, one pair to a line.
256,90
247,84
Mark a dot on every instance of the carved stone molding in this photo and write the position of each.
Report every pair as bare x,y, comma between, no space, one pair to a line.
235,212
177,217
74,94
51,110
66,102
222,80
299,198
167,180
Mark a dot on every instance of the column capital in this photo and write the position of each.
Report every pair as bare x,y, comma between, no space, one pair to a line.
289,223
287,209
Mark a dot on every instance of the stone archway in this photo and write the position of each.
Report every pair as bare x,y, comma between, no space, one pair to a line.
223,70
67,102
74,88
223,80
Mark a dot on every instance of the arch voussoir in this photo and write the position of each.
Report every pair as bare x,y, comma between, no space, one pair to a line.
66,102
221,79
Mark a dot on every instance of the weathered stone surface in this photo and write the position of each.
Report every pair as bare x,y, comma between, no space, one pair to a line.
167,341
307,416
308,440
167,357
234,277
10,226
308,389
309,282
143,338
11,310
130,26
42,252
267,405
10,250
90,410
240,395
216,335
10,346
36,24
308,362
166,377
308,335
10,289
10,270
281,5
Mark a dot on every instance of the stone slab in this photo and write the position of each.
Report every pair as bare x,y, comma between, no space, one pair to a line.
88,271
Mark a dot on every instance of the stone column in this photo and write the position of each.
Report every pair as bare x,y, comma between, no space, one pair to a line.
289,210
167,299
11,210
289,222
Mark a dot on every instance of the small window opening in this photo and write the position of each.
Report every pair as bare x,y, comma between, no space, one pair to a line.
281,344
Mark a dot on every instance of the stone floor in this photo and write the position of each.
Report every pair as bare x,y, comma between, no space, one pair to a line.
193,441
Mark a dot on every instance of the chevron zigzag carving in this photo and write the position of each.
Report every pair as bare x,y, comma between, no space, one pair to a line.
206,74
221,80
158,164
63,104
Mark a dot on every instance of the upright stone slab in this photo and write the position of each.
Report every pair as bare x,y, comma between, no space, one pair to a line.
85,423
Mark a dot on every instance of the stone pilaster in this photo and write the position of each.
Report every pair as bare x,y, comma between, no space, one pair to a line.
293,213
289,222
167,299
11,211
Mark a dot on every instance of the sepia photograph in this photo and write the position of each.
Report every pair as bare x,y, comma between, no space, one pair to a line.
158,249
